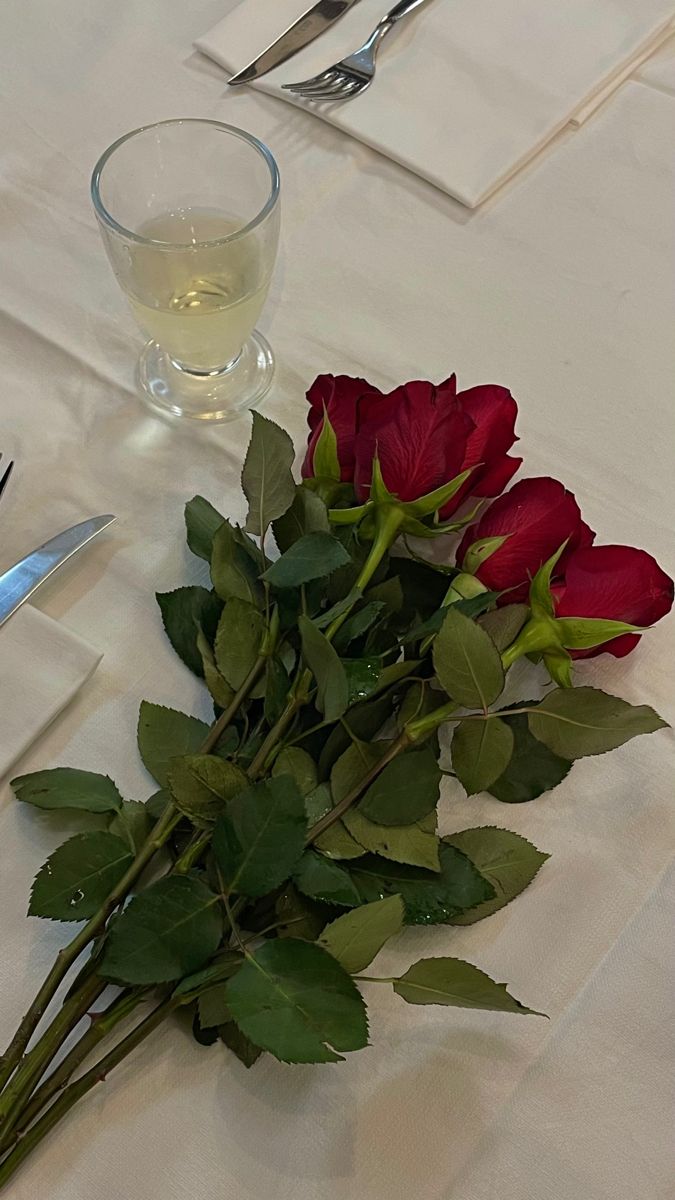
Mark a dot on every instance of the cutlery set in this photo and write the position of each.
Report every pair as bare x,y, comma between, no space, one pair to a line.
346,78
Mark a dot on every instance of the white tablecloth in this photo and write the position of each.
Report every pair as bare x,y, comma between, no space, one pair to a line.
560,287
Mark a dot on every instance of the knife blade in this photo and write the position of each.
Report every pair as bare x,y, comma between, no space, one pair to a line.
303,31
21,581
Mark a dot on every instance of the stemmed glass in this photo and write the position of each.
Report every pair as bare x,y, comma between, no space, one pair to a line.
189,215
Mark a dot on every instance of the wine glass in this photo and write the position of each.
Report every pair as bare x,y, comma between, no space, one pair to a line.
189,215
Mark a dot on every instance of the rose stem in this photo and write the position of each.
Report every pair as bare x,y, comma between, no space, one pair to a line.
34,1062
75,1091
389,523
66,957
88,1041
101,1024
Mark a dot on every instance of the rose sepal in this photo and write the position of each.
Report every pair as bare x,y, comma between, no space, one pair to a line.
412,512
480,550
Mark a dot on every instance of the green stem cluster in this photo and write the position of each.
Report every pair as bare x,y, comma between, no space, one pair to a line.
21,1126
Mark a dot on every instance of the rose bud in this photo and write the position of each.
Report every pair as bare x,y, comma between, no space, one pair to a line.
336,395
617,583
534,519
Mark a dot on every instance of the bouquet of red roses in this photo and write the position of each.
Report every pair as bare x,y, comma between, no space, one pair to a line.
296,834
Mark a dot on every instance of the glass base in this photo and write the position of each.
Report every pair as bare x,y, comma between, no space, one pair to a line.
218,397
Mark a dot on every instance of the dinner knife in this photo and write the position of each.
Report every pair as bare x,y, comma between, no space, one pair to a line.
303,31
20,581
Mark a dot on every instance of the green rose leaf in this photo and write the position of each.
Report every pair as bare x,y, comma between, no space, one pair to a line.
168,930
504,624
184,612
334,842
331,681
277,686
301,917
163,734
132,823
77,878
355,938
156,804
402,843
363,675
574,722
293,999
212,1006
393,674
307,514
358,624
321,879
467,662
233,571
405,791
458,983
365,720
258,841
533,769
300,766
323,619
429,899
473,606
191,986
267,479
297,916
231,1036
201,522
508,860
201,785
313,556
219,688
238,639
353,766
481,752
389,594
64,787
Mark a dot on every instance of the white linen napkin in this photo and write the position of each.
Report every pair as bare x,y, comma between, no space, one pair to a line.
466,90
42,666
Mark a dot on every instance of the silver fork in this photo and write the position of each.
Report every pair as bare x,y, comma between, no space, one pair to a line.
354,74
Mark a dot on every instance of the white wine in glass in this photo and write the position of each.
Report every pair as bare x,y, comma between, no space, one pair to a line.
202,322
189,216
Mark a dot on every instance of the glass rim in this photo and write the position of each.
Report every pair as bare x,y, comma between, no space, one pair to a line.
254,142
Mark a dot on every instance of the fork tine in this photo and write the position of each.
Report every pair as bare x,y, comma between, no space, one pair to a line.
335,88
354,86
319,94
5,477
316,81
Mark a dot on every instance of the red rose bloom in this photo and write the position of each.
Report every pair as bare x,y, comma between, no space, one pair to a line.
536,516
424,435
418,432
493,412
616,583
337,395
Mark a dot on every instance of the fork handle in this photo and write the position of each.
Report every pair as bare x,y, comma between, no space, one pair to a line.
401,10
389,20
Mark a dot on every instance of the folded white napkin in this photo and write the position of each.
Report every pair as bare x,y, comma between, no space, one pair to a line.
42,666
466,90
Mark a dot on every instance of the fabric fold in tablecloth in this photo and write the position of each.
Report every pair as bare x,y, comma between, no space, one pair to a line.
466,90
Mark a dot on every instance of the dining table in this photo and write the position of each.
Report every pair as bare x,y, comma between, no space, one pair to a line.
560,287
